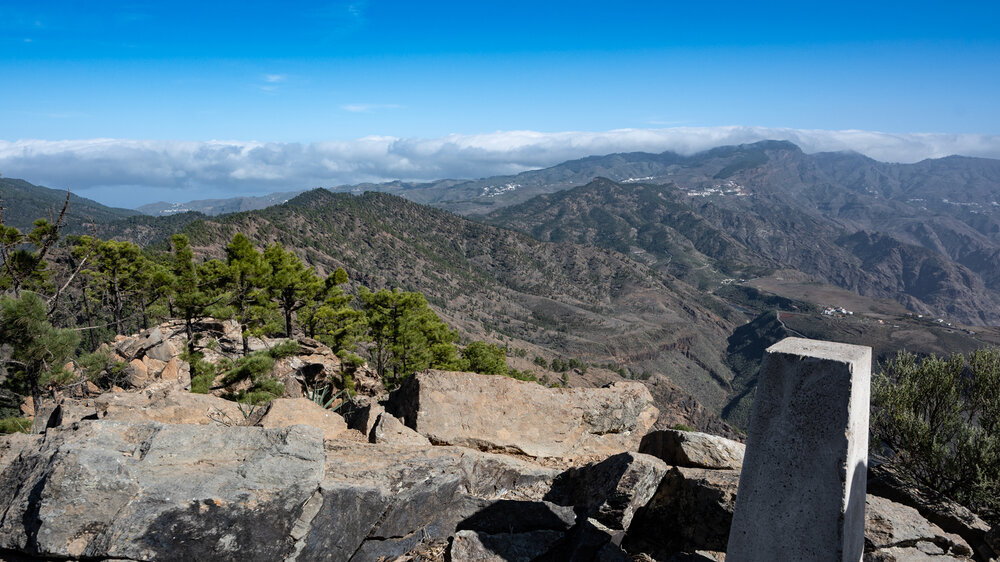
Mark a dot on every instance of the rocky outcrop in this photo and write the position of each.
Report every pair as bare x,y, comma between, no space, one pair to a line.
898,531
167,403
285,412
501,414
949,516
147,491
693,449
388,429
692,509
163,474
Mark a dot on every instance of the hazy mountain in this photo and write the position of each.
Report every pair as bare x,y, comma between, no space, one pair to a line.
841,218
23,203
215,207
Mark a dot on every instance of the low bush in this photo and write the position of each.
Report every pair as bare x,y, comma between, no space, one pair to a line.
14,425
937,421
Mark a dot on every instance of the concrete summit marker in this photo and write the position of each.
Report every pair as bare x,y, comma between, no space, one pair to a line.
802,489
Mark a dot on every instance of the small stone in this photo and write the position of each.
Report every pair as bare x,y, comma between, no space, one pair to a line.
171,370
28,407
136,373
388,429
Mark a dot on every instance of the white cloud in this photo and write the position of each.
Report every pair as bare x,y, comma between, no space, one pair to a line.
132,172
274,78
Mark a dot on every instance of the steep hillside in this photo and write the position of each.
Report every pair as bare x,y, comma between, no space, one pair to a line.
842,218
23,202
575,300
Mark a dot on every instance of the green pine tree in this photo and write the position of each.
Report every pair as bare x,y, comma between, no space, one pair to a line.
33,351
248,276
292,285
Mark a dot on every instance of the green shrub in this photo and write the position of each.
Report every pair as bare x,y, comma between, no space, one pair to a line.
522,375
938,422
14,425
349,386
683,427
484,358
286,348
250,367
203,373
103,369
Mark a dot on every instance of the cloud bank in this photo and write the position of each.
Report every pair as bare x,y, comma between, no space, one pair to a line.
132,172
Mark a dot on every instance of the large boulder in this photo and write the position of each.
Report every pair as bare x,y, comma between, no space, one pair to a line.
951,517
693,449
284,412
149,491
501,414
692,509
892,528
383,500
612,490
168,403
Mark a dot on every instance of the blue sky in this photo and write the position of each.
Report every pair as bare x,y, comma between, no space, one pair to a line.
311,72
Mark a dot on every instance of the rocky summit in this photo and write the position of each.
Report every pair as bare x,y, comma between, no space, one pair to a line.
450,466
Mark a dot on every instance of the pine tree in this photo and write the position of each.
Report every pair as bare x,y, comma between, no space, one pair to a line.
33,351
334,322
195,288
485,358
406,335
121,278
248,274
292,285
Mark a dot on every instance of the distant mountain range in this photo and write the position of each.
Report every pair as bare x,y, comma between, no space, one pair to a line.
659,263
23,203
213,207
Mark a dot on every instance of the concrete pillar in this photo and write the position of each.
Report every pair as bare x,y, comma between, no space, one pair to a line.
802,488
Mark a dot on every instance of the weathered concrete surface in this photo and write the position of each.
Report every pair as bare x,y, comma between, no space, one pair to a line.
693,449
802,488
501,414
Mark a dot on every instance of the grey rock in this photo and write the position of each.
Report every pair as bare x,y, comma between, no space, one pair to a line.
612,490
889,524
587,541
692,509
511,547
383,500
908,554
693,449
102,489
168,403
501,414
388,429
951,517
